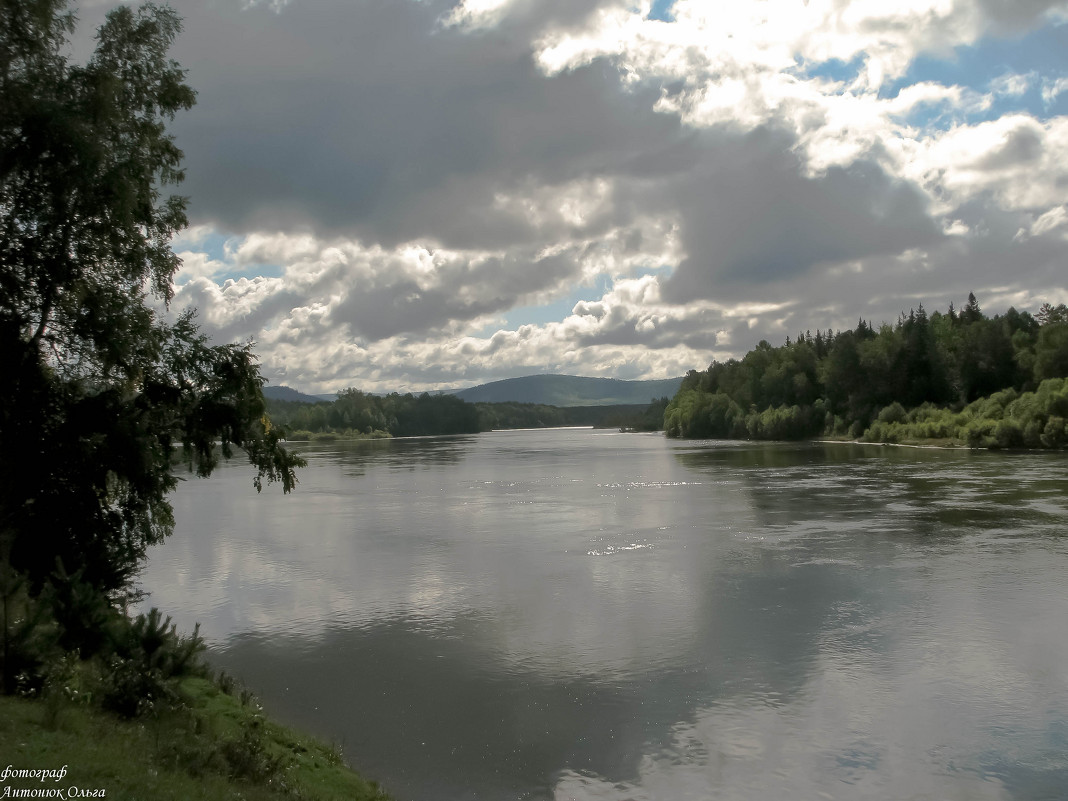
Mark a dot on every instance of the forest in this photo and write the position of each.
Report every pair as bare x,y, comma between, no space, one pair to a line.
957,377
356,413
361,414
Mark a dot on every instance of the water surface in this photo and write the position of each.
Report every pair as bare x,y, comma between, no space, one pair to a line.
578,614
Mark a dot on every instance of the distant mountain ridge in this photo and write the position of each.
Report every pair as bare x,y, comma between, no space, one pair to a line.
551,390
284,393
570,390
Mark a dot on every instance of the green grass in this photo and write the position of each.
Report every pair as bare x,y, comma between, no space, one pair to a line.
216,746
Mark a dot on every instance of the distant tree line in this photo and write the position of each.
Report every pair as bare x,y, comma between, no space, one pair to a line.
636,417
960,375
361,413
357,413
649,418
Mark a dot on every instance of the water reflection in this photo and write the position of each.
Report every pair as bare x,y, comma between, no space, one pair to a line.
482,723
886,490
594,615
404,453
945,699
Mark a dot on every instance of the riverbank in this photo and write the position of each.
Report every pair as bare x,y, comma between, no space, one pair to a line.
335,436
215,745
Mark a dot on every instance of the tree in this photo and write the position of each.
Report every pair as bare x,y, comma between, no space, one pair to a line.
1052,314
1051,352
98,388
971,313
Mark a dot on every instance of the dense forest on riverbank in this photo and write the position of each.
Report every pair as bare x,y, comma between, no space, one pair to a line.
356,413
956,376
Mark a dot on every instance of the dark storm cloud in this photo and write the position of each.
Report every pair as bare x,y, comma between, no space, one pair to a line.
392,307
1023,145
368,118
1013,16
750,216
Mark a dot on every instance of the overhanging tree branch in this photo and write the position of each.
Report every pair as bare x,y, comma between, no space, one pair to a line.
98,390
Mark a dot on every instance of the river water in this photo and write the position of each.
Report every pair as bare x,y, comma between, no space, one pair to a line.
579,614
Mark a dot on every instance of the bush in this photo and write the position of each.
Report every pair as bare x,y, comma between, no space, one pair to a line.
785,422
131,689
1032,434
248,757
1007,434
1055,434
85,617
980,433
149,657
894,413
992,407
1054,394
30,637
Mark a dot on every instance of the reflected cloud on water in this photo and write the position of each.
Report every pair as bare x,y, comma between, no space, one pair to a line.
934,708
401,453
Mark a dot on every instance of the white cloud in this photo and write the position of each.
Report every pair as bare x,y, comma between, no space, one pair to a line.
772,35
1056,219
737,66
1019,160
474,14
512,154
1012,84
412,311
196,264
272,248
1052,89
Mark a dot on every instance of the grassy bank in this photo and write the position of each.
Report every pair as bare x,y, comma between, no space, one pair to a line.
214,745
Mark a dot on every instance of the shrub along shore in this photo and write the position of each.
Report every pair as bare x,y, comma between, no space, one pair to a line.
139,715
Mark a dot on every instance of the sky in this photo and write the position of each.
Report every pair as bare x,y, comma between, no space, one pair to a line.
419,194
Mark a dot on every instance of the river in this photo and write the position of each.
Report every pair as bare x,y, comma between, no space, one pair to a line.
580,614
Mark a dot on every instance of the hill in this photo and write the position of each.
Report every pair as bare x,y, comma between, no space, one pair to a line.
289,394
570,390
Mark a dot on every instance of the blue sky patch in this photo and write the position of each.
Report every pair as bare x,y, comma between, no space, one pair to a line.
661,10
214,246
1040,55
833,69
556,310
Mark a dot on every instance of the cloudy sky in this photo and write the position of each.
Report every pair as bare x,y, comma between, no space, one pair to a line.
410,194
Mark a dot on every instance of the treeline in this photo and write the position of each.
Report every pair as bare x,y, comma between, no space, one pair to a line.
357,413
649,418
636,417
957,376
